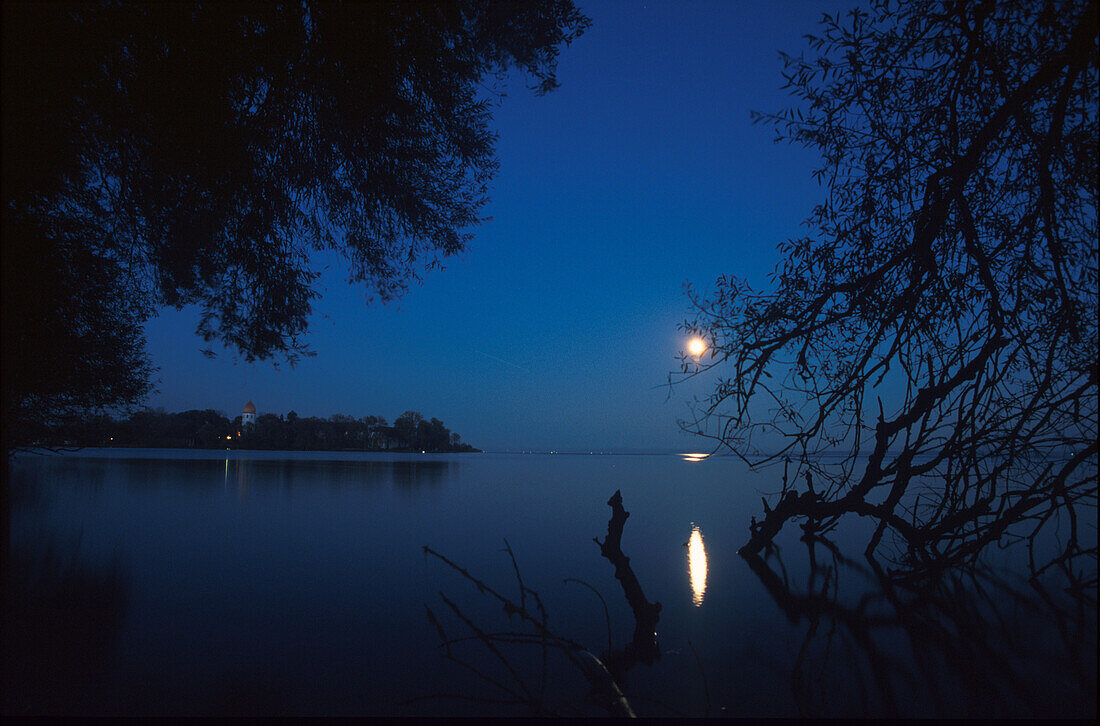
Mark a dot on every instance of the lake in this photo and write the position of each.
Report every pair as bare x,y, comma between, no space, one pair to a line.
171,582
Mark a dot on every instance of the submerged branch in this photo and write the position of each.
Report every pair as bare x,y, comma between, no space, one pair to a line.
646,614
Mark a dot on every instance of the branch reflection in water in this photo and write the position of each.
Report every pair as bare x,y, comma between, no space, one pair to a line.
976,640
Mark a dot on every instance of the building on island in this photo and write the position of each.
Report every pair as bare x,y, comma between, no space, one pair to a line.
248,414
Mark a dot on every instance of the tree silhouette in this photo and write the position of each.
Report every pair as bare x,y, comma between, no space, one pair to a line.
176,153
407,428
935,335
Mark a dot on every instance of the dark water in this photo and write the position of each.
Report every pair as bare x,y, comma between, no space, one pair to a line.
165,582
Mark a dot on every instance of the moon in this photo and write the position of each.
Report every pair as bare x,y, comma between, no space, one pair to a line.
696,347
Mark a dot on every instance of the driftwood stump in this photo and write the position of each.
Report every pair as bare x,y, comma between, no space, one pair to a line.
644,645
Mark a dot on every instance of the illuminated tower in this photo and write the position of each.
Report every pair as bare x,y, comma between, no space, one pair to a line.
248,415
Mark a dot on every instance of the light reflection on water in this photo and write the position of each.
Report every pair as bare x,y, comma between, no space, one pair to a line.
697,566
694,456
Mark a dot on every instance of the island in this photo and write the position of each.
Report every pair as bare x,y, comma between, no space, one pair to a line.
210,429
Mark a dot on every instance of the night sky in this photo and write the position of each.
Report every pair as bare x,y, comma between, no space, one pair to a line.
557,328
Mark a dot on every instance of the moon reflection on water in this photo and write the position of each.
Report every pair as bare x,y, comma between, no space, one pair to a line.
697,566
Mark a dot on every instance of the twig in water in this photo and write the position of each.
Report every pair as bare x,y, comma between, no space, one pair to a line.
488,643
605,692
606,613
703,673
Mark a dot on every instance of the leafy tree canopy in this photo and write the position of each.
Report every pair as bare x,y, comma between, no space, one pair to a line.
936,332
180,153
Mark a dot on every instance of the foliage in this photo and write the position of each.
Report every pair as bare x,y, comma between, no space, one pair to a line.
176,154
72,340
928,355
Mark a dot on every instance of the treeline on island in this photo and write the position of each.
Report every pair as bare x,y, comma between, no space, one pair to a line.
211,429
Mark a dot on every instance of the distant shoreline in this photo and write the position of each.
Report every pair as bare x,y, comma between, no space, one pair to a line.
72,448
212,430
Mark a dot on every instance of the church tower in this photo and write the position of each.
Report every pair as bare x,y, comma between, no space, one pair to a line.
248,415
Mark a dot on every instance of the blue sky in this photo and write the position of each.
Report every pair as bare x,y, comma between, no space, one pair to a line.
557,328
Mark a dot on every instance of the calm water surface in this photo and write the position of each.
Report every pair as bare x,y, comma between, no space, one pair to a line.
177,582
